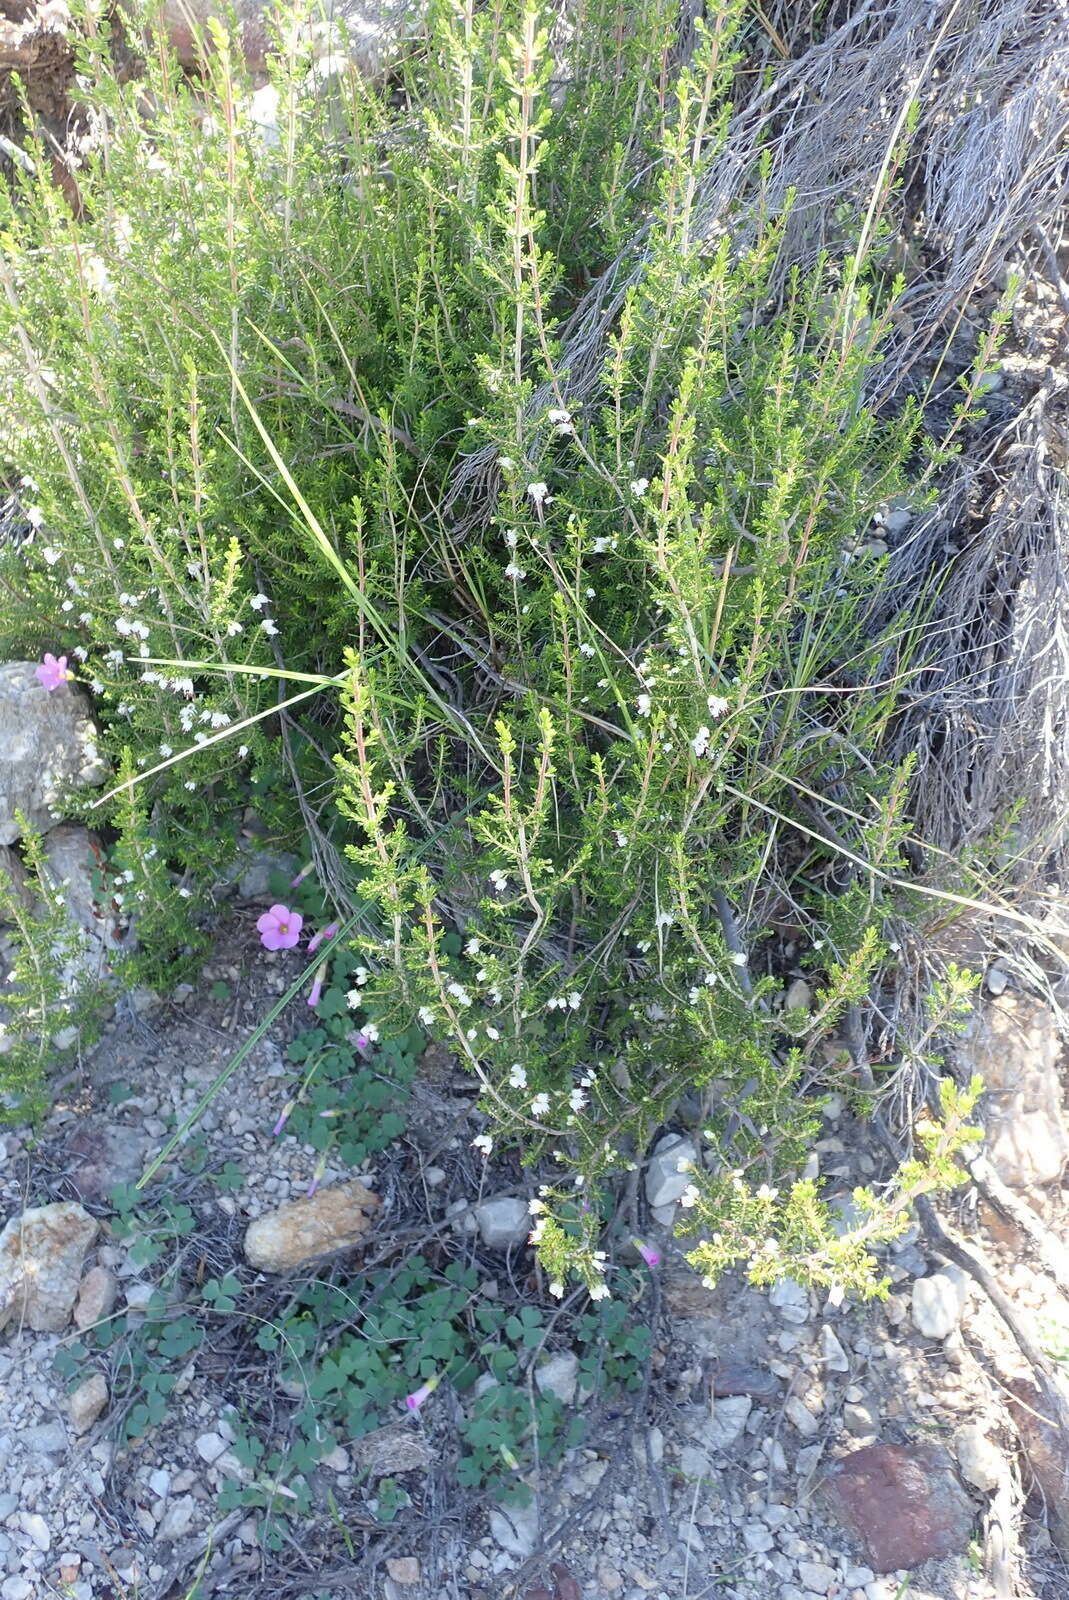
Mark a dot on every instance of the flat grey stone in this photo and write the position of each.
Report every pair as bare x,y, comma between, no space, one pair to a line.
727,1421
177,1519
791,1300
46,1439
757,1538
503,1221
559,1375
832,1353
936,1305
665,1181
515,1528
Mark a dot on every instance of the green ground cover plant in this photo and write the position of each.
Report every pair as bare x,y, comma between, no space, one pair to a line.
576,690
351,1357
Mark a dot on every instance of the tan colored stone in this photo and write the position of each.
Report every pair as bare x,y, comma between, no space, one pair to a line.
799,996
96,1297
403,1569
1014,1046
41,1255
332,1219
87,1402
392,1449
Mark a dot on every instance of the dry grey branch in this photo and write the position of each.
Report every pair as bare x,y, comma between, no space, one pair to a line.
988,163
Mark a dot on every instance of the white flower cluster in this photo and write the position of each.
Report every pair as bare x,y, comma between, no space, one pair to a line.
257,603
127,629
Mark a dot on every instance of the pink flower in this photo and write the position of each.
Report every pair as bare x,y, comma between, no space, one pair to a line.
283,1119
650,1257
317,984
414,1400
53,674
280,928
305,870
317,1176
324,933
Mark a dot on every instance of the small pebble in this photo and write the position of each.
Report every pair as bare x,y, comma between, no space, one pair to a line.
803,1419
36,1528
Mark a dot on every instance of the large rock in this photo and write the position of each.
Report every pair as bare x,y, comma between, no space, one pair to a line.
503,1221
332,1219
74,860
1014,1045
366,30
668,1169
47,745
41,1255
98,1155
902,1502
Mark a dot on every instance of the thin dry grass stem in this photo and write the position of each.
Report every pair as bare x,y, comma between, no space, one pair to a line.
990,122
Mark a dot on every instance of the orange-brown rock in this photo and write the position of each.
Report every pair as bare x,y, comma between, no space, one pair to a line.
332,1219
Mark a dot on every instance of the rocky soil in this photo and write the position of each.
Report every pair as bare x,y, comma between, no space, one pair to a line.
780,1448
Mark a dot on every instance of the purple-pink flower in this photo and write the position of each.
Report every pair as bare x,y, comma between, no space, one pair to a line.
305,870
283,1119
651,1257
53,674
324,933
414,1400
317,984
280,928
